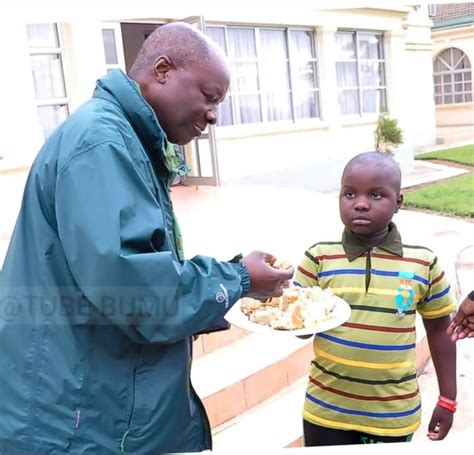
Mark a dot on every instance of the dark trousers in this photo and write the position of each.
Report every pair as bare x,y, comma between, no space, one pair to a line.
314,435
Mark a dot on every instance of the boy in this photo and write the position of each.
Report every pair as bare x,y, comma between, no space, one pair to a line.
362,387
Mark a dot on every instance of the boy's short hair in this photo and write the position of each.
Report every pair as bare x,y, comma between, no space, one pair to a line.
381,160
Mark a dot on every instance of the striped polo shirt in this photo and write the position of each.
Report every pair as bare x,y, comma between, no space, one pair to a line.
363,376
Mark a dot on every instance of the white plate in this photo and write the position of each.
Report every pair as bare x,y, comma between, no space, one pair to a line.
340,314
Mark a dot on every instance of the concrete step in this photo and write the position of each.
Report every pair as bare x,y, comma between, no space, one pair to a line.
273,424
247,372
205,344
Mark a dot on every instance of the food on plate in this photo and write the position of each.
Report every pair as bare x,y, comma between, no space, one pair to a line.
297,308
279,264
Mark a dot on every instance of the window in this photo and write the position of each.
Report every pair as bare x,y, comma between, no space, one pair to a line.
432,10
452,77
274,74
112,40
48,75
360,68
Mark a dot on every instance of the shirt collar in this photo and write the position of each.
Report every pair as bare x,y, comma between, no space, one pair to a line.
354,248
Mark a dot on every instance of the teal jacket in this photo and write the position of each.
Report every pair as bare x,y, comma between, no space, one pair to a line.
97,310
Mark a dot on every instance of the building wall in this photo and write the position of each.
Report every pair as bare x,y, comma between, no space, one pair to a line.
245,150
463,39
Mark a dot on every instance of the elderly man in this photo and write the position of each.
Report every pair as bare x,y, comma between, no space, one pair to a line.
97,304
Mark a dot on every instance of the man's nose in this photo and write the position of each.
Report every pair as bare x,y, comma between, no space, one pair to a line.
211,116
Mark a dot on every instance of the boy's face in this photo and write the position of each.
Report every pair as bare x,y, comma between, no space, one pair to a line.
368,199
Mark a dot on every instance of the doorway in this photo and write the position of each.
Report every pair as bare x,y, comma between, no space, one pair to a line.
201,153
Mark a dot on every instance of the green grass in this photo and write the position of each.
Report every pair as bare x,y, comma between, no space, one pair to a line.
453,196
463,155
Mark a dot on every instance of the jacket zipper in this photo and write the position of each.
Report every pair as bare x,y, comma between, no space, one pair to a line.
124,436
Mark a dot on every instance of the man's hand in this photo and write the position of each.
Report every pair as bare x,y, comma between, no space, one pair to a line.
462,325
265,281
440,423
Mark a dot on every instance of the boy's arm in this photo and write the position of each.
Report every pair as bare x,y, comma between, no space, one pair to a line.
443,353
436,307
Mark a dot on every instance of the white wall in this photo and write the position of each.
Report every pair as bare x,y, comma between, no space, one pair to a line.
84,59
262,148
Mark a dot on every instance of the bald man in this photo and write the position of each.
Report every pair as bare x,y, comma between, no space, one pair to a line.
97,304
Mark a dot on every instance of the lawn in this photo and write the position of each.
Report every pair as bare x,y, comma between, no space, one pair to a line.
454,196
463,155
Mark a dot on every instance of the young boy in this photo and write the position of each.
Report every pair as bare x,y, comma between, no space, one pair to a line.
362,387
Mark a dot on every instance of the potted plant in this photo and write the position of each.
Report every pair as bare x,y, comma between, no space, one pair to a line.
387,135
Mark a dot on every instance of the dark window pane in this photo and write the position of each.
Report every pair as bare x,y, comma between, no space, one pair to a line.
248,109
302,44
370,46
217,34
273,45
372,74
278,106
42,35
306,105
346,74
349,101
345,47
225,112
48,76
241,43
244,77
51,117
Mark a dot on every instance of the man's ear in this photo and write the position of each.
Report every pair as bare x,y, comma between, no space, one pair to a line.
161,68
399,202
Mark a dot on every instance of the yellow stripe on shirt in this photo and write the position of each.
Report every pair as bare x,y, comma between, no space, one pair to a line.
446,309
356,363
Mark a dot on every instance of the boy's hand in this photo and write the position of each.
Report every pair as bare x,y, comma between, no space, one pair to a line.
265,281
440,424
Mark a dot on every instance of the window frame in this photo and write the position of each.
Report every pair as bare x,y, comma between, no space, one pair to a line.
118,41
58,51
258,60
452,71
360,88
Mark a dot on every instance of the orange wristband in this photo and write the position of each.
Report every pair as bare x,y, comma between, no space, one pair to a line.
447,403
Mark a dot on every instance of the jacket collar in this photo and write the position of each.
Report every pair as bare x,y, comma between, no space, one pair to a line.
123,91
355,248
